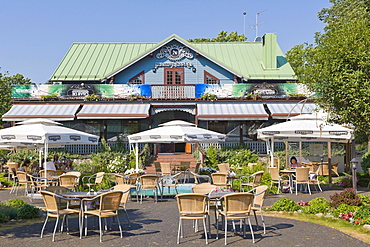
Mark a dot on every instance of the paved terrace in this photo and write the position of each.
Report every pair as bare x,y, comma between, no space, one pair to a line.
155,224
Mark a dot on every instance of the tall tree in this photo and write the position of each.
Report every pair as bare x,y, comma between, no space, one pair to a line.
337,66
223,37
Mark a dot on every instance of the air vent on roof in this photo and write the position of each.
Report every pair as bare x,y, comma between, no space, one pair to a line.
258,39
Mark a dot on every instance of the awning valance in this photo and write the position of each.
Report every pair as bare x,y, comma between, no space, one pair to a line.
231,111
283,111
159,110
56,112
114,111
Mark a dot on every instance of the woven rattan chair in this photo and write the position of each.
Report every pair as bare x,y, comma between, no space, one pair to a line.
277,179
169,182
302,177
11,166
133,180
148,182
69,181
120,179
36,184
259,198
192,206
236,206
108,207
22,180
314,179
223,168
165,169
157,166
53,209
256,180
207,188
125,188
93,180
220,179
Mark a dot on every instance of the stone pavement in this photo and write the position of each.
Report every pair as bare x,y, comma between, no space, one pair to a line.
155,224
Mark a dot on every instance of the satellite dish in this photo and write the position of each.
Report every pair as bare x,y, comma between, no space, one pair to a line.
258,39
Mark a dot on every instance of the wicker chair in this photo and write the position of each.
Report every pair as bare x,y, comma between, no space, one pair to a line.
223,167
120,179
109,203
192,206
148,182
220,179
166,169
259,198
256,180
276,178
157,166
236,206
21,179
37,184
53,209
93,180
302,177
125,188
169,182
69,181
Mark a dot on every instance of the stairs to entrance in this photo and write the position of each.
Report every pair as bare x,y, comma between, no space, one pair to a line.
170,158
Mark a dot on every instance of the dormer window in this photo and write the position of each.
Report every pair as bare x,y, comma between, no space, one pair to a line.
137,79
210,79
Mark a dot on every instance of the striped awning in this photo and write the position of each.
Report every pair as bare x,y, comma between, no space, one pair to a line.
114,111
56,112
237,111
283,111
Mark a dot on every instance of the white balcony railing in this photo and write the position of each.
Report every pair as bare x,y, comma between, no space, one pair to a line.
173,91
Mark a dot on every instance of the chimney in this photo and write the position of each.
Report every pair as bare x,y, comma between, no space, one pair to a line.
269,51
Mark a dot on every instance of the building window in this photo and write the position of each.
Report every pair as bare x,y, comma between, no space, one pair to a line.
210,79
218,126
137,79
174,76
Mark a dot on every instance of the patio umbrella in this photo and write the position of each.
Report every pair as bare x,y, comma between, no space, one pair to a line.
42,133
176,131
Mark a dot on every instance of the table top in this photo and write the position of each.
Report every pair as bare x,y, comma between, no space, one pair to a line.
80,194
288,171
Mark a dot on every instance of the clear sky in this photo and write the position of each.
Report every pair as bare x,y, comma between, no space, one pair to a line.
35,35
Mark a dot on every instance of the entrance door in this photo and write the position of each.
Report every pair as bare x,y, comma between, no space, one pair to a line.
174,76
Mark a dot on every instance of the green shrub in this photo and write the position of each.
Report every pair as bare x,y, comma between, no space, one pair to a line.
362,216
317,205
344,208
365,200
285,204
4,218
28,212
347,196
9,211
15,203
211,157
365,163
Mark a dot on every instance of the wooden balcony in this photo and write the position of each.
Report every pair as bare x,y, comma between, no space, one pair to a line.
173,91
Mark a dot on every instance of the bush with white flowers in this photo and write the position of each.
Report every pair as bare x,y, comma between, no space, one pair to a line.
133,170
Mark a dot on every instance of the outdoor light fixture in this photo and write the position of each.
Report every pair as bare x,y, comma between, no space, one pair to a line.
194,69
322,164
154,70
354,163
2,160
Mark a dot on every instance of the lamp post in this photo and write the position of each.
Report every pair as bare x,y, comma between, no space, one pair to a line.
2,160
354,163
244,13
322,164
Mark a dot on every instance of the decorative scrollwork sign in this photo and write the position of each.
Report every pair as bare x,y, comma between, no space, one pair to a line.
174,53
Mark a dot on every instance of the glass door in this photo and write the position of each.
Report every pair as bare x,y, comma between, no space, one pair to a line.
174,76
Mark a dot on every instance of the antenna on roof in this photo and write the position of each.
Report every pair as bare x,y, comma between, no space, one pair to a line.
258,39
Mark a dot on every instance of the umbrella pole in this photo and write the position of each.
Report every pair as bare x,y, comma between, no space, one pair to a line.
137,156
45,159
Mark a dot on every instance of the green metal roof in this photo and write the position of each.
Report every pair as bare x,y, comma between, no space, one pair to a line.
96,61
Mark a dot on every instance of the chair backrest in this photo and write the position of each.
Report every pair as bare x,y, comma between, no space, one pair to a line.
78,174
57,189
238,203
22,177
49,173
99,177
276,162
219,178
222,168
68,180
13,165
192,203
302,174
184,165
166,168
258,178
119,179
148,181
125,188
50,201
274,172
157,166
59,172
110,200
259,196
204,188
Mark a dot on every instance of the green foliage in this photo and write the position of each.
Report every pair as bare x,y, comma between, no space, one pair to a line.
15,203
28,212
348,196
365,200
336,68
208,96
242,157
344,208
4,180
223,37
92,97
9,211
4,218
285,204
365,163
317,205
362,216
211,157
22,155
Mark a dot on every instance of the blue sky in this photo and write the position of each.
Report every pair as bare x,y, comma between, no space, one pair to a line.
35,35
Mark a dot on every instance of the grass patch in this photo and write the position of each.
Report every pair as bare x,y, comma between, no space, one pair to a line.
19,223
358,232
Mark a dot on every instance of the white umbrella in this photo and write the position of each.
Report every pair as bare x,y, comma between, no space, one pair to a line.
174,132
